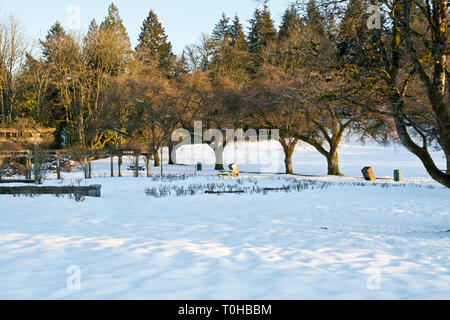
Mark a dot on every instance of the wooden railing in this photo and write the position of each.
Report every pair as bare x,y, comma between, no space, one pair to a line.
83,155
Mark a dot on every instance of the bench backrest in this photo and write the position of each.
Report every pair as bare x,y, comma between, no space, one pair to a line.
234,167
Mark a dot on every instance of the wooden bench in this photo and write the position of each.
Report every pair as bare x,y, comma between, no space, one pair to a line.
233,173
134,168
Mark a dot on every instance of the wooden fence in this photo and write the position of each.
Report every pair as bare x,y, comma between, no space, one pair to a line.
85,156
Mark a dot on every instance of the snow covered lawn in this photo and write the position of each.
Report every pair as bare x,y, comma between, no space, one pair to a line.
341,242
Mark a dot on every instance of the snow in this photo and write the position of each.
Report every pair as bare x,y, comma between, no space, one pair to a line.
350,240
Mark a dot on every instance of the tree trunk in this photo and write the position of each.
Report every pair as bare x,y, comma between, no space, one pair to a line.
434,87
448,164
112,166
85,167
172,160
218,154
219,159
422,153
81,135
120,161
288,152
2,101
1,168
157,158
288,163
219,167
288,148
147,165
333,164
136,164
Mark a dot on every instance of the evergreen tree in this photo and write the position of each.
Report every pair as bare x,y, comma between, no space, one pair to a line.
237,35
290,23
114,31
114,22
221,40
91,43
231,57
56,31
93,28
356,43
54,35
181,65
221,37
253,35
262,29
153,43
222,31
314,18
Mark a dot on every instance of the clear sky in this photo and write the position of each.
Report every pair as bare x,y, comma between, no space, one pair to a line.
184,20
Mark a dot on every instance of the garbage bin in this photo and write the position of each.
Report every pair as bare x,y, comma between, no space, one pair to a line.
397,176
199,166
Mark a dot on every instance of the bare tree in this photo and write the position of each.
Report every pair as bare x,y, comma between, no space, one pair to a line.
12,60
152,119
428,51
409,69
305,90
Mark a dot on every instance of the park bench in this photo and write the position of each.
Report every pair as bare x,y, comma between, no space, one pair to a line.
134,168
233,173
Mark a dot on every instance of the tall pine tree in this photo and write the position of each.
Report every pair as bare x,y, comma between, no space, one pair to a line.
237,35
356,42
291,22
54,35
154,44
221,32
314,18
120,47
262,29
114,22
231,57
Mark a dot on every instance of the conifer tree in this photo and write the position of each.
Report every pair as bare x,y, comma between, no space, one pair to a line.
55,34
222,31
91,41
262,29
356,43
290,23
114,22
237,35
231,57
181,65
113,29
153,43
314,18
93,28
221,38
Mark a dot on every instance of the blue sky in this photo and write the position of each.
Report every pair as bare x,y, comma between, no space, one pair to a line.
184,20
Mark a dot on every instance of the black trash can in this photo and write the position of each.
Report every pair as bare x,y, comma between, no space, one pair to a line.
397,176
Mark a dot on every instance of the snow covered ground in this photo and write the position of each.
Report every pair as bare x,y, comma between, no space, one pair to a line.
349,240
